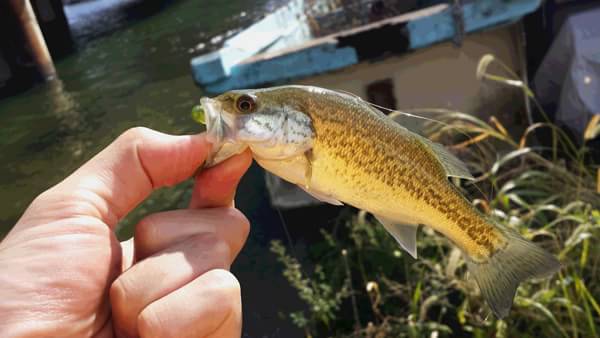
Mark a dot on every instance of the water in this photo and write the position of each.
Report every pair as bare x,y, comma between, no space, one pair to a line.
133,74
130,71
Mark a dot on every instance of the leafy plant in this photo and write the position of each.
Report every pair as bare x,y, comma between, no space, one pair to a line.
546,192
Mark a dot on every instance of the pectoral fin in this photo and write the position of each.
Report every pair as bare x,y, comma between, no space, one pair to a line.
321,196
405,234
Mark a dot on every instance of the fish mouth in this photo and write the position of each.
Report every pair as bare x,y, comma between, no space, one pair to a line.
220,130
214,123
214,128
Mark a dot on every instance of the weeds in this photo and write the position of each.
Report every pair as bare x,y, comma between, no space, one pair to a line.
364,286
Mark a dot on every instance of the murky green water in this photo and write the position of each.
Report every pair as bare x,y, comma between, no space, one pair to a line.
137,75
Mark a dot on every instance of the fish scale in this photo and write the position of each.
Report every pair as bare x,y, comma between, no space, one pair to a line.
339,148
377,149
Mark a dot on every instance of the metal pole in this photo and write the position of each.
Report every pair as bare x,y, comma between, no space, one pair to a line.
34,38
522,49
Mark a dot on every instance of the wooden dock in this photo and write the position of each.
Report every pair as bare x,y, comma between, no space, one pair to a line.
31,35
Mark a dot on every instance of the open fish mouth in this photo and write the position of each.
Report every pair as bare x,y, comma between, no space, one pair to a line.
220,130
214,123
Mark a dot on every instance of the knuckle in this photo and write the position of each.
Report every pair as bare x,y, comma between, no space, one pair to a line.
238,228
228,290
124,308
46,195
116,293
145,231
53,196
135,133
234,220
151,325
240,220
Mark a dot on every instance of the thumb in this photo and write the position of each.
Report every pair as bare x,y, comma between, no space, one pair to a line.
121,176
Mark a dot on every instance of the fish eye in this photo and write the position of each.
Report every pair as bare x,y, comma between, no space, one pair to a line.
246,103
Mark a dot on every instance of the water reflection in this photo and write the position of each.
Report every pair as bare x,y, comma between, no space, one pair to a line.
63,105
70,120
136,75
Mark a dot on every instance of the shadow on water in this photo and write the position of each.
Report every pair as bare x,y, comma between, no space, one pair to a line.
129,72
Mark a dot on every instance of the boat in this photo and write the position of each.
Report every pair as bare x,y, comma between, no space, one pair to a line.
396,54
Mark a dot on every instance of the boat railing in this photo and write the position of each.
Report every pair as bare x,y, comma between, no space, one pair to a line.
330,16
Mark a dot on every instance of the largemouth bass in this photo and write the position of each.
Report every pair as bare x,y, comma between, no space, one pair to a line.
340,149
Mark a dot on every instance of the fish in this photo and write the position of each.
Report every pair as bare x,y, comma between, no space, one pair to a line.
342,150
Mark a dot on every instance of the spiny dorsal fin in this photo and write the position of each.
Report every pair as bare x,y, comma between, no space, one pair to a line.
341,91
452,165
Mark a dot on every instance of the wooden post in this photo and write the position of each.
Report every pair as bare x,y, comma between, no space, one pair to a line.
34,38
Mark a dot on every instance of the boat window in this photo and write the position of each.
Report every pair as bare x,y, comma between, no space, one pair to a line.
381,93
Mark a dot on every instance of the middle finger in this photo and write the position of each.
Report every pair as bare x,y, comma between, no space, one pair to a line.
161,230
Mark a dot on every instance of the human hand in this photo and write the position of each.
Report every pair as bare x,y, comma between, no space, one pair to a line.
65,274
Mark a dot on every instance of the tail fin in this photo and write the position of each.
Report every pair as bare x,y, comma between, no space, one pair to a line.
499,277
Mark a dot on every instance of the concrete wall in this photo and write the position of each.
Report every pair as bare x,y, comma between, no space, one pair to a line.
441,76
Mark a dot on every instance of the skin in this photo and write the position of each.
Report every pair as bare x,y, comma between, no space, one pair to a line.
65,274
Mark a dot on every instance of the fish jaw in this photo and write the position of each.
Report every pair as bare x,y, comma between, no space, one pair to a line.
220,131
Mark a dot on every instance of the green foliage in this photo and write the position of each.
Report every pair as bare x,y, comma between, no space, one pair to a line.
364,286
322,298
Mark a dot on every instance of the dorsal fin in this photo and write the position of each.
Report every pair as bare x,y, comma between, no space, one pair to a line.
341,91
452,165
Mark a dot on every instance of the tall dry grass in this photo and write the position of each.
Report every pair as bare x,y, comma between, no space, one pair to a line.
362,285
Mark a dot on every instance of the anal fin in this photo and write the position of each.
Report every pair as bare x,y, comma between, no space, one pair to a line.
405,234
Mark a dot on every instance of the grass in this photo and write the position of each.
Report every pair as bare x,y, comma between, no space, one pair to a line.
362,285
